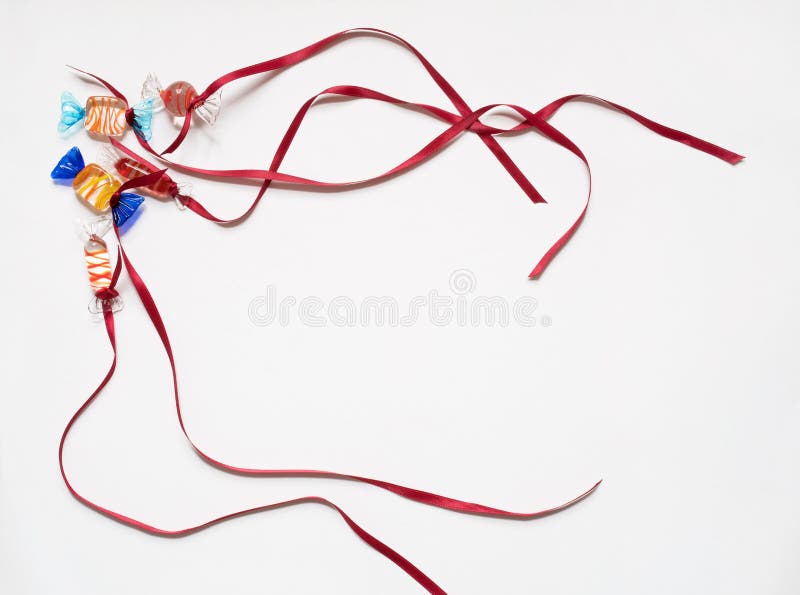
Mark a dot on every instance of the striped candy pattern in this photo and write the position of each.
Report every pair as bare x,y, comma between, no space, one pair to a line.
105,115
177,97
98,264
130,168
95,185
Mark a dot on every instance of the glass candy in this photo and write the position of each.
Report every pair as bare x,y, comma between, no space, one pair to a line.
143,118
96,186
72,113
178,96
128,168
69,165
98,263
125,208
104,116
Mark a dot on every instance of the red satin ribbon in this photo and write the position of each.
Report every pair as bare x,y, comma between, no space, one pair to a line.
426,582
416,495
466,119
372,541
406,492
530,121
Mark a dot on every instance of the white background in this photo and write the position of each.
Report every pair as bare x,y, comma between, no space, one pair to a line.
670,368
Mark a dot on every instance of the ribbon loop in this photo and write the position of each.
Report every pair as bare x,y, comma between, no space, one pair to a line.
462,119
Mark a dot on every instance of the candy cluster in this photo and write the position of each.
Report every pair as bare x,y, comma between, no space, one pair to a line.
103,187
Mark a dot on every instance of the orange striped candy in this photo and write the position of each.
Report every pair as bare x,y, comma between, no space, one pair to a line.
105,115
95,185
98,264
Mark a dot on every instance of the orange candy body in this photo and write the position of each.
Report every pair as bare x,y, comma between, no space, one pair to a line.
105,116
177,97
95,185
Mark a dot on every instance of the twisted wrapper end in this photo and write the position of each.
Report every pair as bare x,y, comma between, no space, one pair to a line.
179,191
207,107
106,300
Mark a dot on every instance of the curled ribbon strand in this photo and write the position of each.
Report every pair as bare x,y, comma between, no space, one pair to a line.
465,114
313,49
463,119
530,121
411,493
426,582
420,496
108,316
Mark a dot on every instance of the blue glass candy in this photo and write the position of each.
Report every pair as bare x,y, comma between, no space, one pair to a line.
125,207
72,113
69,165
142,118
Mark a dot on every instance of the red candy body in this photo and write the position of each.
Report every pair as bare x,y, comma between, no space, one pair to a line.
130,168
177,97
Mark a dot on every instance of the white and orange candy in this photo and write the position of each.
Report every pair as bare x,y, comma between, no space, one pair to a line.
177,99
105,116
98,265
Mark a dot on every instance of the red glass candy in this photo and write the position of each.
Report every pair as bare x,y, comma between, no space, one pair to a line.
177,97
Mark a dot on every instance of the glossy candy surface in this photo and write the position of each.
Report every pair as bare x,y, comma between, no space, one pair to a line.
105,115
98,264
130,168
143,118
95,185
125,207
72,113
69,165
177,97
